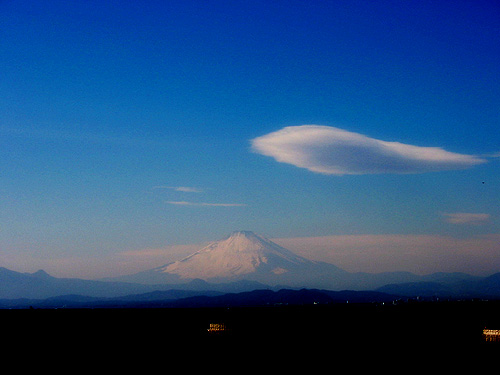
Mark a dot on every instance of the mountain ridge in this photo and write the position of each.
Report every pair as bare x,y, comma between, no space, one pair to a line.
244,255
175,298
245,261
39,286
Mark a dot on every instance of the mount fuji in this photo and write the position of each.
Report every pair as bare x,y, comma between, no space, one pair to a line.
240,255
245,261
244,255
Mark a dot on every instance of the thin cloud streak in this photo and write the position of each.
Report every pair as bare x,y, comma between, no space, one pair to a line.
333,151
203,204
466,218
184,189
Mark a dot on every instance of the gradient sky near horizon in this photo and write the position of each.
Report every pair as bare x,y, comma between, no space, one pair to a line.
132,130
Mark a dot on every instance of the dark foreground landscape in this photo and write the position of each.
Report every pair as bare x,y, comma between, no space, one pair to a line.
350,326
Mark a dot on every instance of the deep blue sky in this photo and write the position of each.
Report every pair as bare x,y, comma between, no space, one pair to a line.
107,106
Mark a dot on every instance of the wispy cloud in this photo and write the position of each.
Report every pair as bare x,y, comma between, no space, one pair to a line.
185,203
466,218
493,155
184,189
334,151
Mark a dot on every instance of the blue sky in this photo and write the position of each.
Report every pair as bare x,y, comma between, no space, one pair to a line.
129,125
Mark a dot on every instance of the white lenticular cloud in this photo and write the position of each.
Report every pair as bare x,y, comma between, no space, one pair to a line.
333,151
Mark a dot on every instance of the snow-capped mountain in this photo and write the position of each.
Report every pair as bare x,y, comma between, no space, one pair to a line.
243,261
244,255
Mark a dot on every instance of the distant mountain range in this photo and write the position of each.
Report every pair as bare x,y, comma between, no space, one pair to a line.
479,287
244,255
40,285
192,299
242,269
40,290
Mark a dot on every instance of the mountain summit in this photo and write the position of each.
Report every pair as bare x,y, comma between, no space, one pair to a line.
244,255
241,253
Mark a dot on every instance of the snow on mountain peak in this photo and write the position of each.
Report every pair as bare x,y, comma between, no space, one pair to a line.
241,253
245,241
